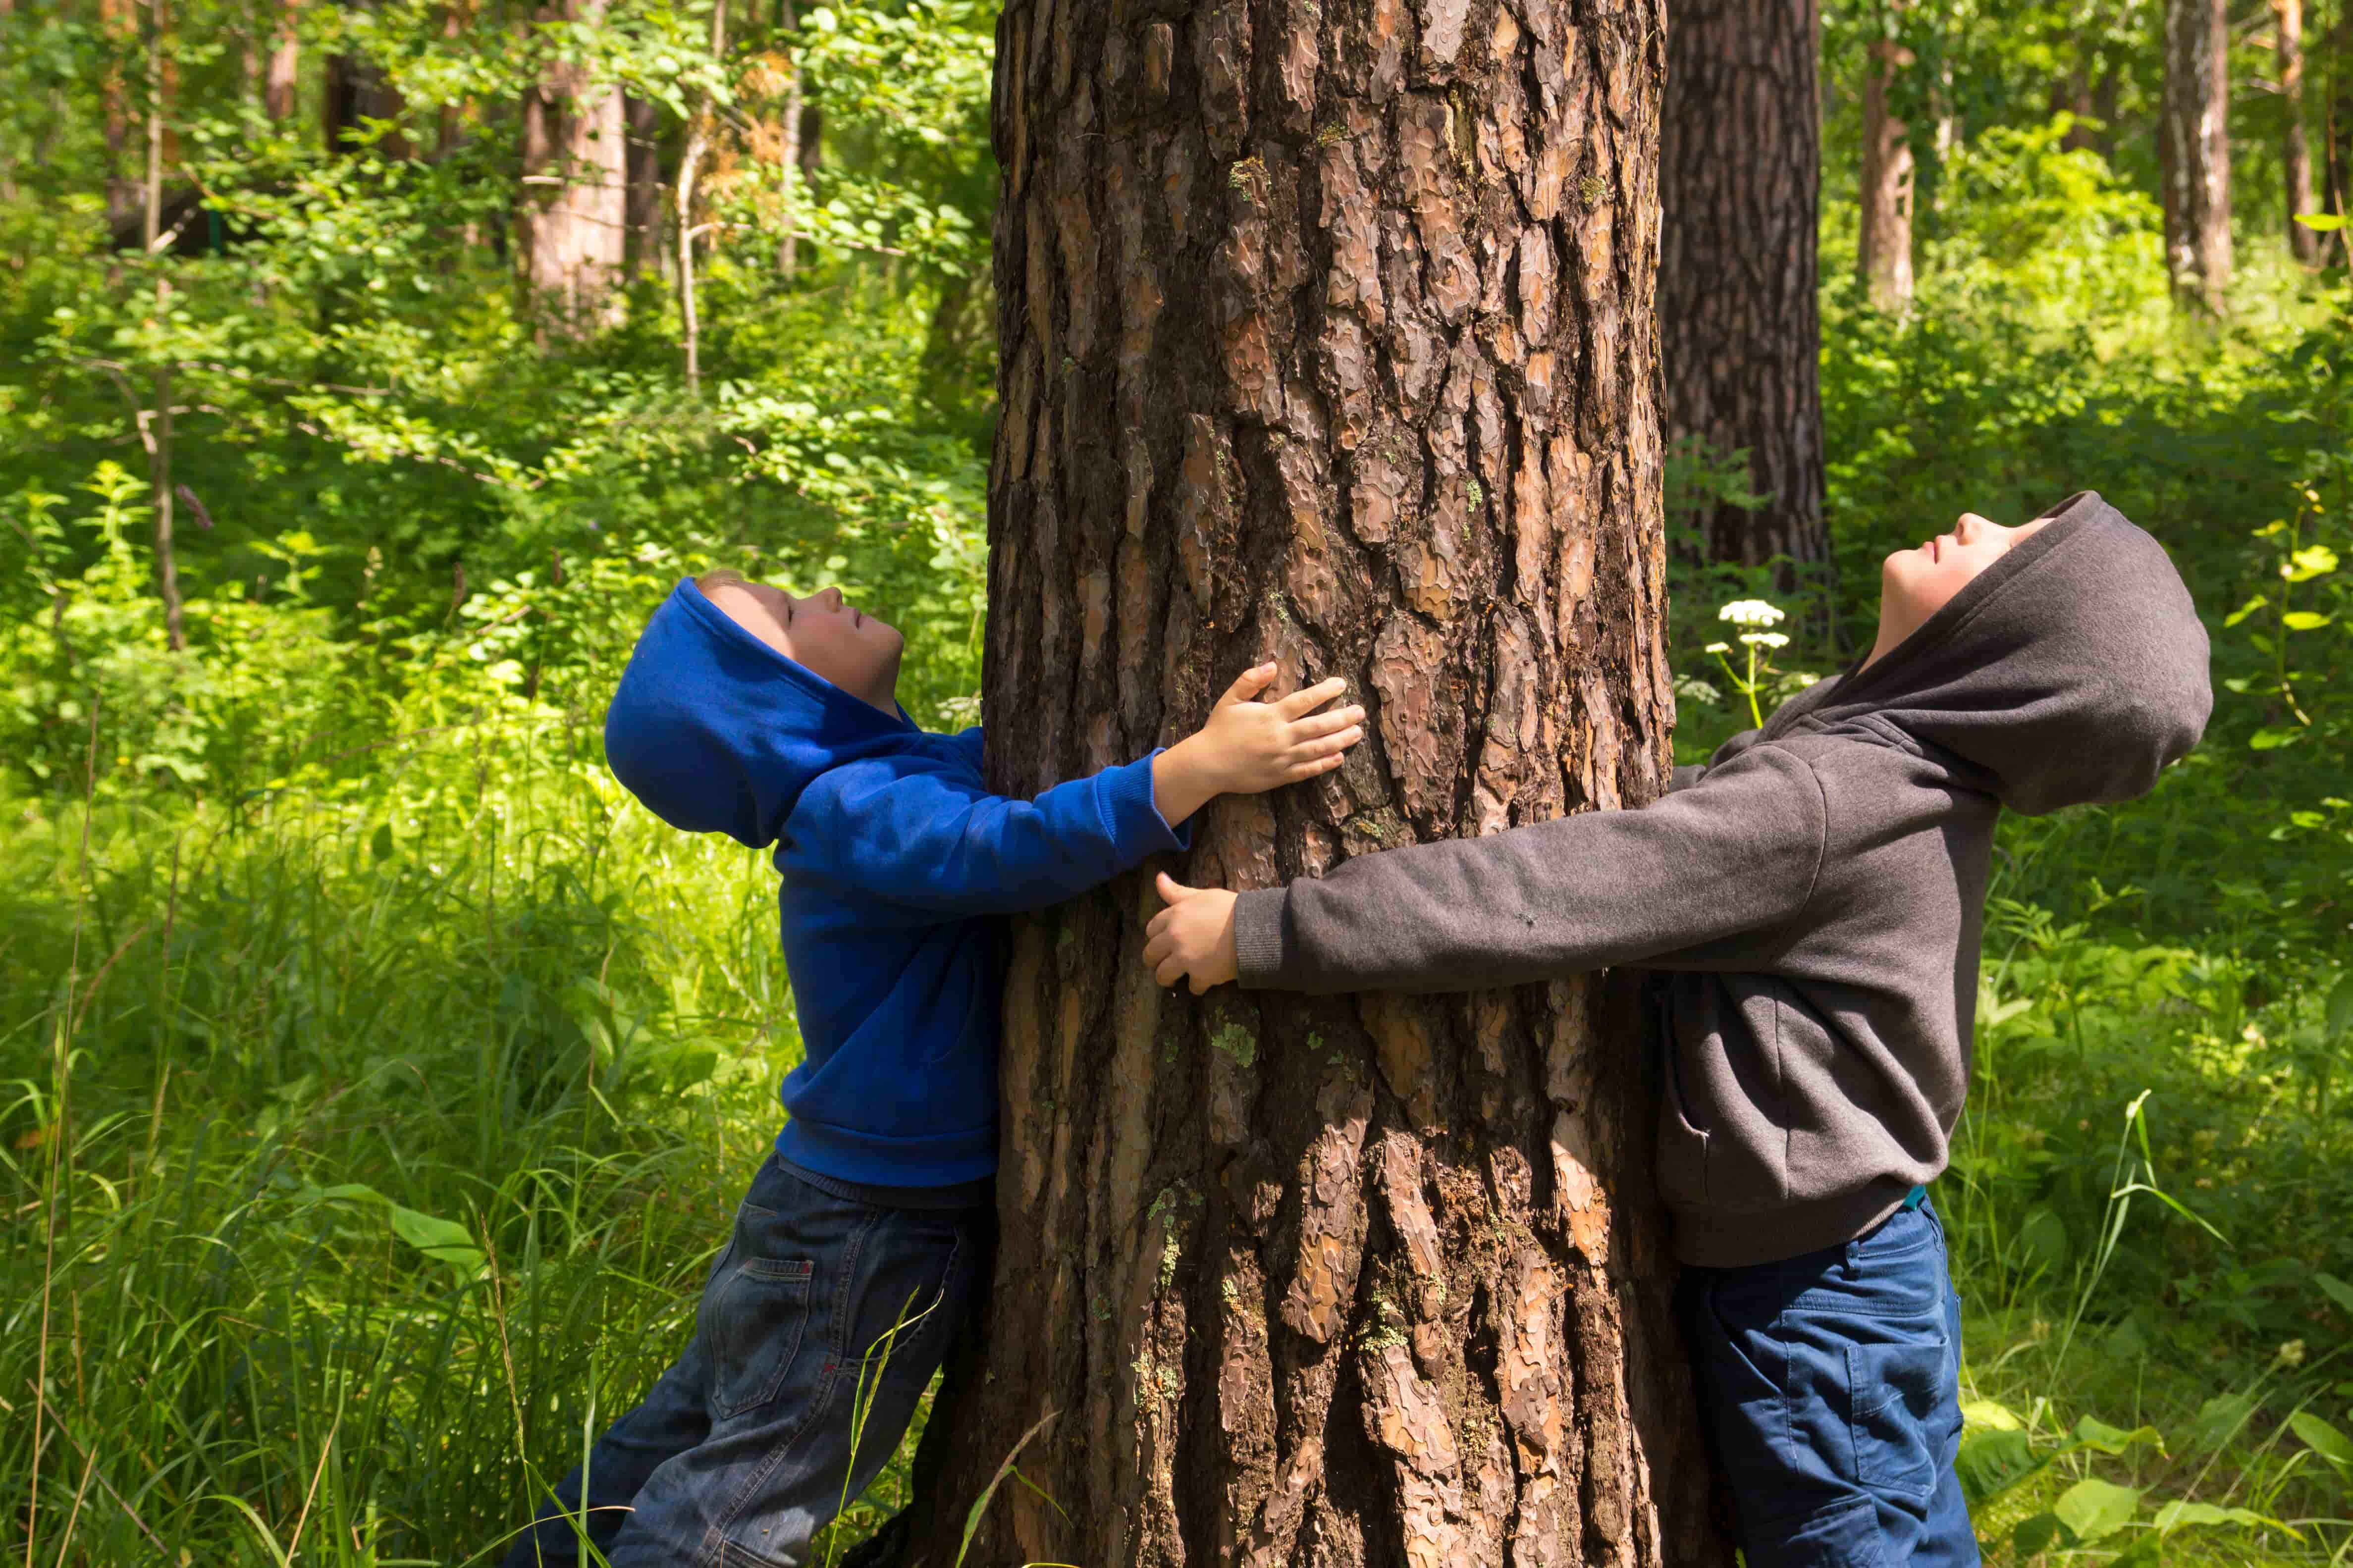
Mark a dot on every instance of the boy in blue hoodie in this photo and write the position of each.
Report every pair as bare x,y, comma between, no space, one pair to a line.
770,717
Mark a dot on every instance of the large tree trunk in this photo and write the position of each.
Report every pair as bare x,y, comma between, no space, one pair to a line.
574,215
1884,255
1739,313
2194,149
2296,152
1325,332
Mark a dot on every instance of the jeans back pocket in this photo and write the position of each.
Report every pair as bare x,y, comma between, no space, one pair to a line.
755,1316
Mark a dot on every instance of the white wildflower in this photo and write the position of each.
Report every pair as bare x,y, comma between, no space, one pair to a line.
1749,612
1764,639
1691,688
1718,648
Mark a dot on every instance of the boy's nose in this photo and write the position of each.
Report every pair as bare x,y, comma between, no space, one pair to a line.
833,597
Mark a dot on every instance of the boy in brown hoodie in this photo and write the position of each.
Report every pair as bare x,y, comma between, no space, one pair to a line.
1810,901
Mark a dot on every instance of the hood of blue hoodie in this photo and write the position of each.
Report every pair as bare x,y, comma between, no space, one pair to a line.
2072,671
715,732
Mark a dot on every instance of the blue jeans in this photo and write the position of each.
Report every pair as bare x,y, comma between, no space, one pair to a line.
743,1450
1832,1388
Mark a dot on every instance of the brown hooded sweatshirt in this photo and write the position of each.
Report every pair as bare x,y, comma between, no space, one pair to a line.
1813,898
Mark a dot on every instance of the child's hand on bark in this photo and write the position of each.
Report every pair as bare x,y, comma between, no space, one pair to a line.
1193,938
1249,746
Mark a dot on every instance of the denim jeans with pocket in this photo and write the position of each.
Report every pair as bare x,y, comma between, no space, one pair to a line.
743,1450
1830,1383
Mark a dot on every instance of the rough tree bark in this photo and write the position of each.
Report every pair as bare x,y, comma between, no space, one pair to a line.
1883,258
2296,151
573,217
1328,333
1739,312
2194,150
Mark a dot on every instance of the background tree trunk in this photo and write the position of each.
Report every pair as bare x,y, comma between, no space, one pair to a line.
2336,120
357,89
283,73
573,214
1884,255
2194,151
1327,333
789,123
2296,152
159,432
643,242
1739,313
126,192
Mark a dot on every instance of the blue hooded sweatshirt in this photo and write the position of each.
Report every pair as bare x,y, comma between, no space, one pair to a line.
894,857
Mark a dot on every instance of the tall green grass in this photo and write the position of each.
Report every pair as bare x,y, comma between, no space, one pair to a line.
364,1152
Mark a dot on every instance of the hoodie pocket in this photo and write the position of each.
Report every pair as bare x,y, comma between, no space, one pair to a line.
1682,1144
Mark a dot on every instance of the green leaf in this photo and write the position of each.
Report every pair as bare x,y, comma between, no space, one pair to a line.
2340,1004
2321,223
440,1238
2126,1340
2243,611
2272,739
2177,1515
380,845
2304,621
2093,1433
2312,561
2333,1288
2092,1509
2033,1534
1991,1463
1992,1414
2045,1236
2323,1438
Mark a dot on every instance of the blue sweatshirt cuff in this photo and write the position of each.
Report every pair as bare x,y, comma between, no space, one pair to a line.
1132,818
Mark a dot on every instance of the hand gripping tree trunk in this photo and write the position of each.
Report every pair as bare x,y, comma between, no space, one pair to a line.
1739,314
1326,332
2194,148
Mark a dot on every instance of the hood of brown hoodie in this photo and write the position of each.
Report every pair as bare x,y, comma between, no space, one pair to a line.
2073,669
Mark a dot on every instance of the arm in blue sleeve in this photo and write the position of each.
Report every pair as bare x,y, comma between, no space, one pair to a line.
932,842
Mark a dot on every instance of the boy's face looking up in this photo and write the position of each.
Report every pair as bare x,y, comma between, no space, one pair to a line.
1913,585
820,632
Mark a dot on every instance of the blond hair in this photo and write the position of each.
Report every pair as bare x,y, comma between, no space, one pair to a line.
721,577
